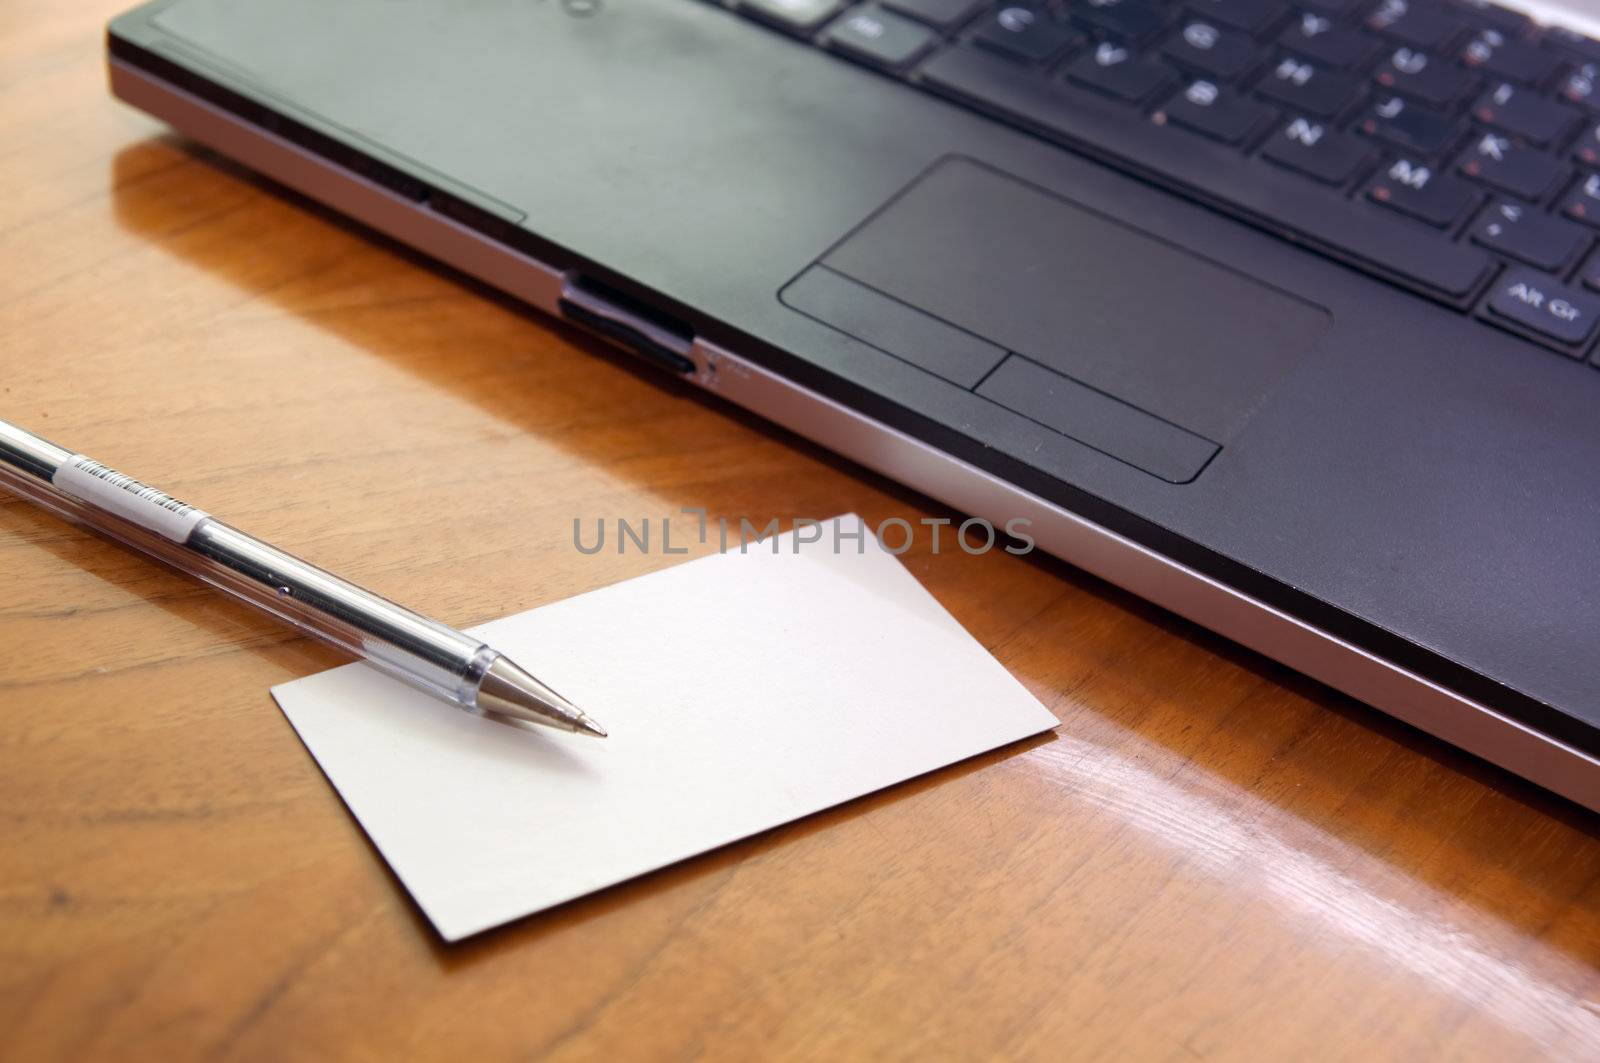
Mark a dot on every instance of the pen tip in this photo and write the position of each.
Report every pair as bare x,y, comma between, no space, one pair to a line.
508,690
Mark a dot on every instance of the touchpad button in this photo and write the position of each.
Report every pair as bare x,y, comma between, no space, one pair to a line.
1088,309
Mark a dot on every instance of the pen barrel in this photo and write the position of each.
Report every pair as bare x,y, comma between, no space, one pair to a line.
410,647
28,454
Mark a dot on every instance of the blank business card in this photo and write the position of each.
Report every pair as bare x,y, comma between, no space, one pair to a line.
742,691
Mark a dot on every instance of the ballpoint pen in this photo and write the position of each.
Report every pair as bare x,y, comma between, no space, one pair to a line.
446,663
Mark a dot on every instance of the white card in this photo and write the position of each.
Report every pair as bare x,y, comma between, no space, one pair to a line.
742,691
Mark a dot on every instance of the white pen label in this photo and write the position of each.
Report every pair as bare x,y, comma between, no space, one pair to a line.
126,497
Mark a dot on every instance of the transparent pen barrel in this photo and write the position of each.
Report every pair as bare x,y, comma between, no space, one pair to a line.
410,647
407,646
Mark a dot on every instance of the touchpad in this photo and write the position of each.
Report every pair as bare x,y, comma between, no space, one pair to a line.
1085,324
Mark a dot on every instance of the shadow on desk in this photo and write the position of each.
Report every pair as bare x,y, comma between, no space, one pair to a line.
1108,728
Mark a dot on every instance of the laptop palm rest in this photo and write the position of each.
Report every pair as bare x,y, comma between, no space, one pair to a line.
1079,322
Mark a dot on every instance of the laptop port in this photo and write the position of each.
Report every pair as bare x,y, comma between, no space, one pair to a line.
653,336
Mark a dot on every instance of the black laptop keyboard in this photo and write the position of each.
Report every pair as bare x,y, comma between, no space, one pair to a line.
1449,146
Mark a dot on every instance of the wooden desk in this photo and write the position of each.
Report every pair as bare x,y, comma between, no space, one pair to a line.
1212,858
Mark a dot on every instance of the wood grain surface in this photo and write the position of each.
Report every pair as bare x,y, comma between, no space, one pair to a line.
1212,858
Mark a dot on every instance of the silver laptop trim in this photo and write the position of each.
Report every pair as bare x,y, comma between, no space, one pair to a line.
1577,15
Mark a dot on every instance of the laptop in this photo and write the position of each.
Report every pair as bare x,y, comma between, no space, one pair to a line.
1281,314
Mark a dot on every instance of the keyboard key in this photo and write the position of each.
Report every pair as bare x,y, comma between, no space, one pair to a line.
1493,53
1204,49
1414,74
796,16
1502,164
1251,16
1408,126
1542,304
1523,113
940,14
1586,149
1484,13
1302,87
1114,70
1583,202
1585,49
1309,147
1320,39
1522,233
879,37
1413,255
1589,274
1581,87
1129,20
1414,188
1206,108
1414,24
1025,33
1352,232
